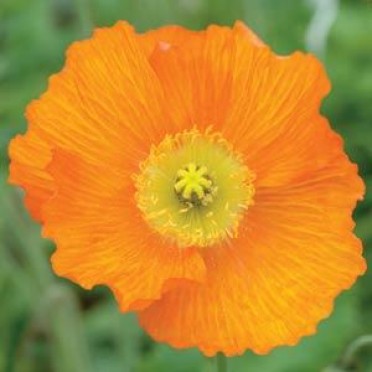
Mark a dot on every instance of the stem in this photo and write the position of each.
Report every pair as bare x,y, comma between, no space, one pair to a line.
221,362
69,347
350,353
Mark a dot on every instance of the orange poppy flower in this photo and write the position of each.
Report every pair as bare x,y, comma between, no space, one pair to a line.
192,173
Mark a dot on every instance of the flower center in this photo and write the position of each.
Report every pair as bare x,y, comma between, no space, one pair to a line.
193,189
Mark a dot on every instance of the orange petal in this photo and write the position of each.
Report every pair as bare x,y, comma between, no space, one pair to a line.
29,156
105,106
275,123
294,254
101,237
200,73
107,99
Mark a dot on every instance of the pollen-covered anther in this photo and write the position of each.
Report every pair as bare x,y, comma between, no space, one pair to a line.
193,186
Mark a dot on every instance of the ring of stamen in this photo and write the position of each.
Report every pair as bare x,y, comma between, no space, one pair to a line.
193,189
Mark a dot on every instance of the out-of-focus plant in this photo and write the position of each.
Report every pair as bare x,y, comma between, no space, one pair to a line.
33,35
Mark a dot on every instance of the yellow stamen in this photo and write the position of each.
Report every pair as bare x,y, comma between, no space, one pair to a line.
193,189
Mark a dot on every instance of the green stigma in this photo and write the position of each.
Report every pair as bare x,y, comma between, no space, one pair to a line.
194,186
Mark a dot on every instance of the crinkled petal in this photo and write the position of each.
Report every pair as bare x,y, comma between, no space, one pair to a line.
105,106
274,283
30,155
101,237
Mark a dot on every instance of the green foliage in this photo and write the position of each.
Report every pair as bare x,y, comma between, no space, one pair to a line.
47,323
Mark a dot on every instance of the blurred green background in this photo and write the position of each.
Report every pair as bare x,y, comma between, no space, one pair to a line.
47,323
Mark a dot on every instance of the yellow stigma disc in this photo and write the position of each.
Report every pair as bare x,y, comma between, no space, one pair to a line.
194,186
